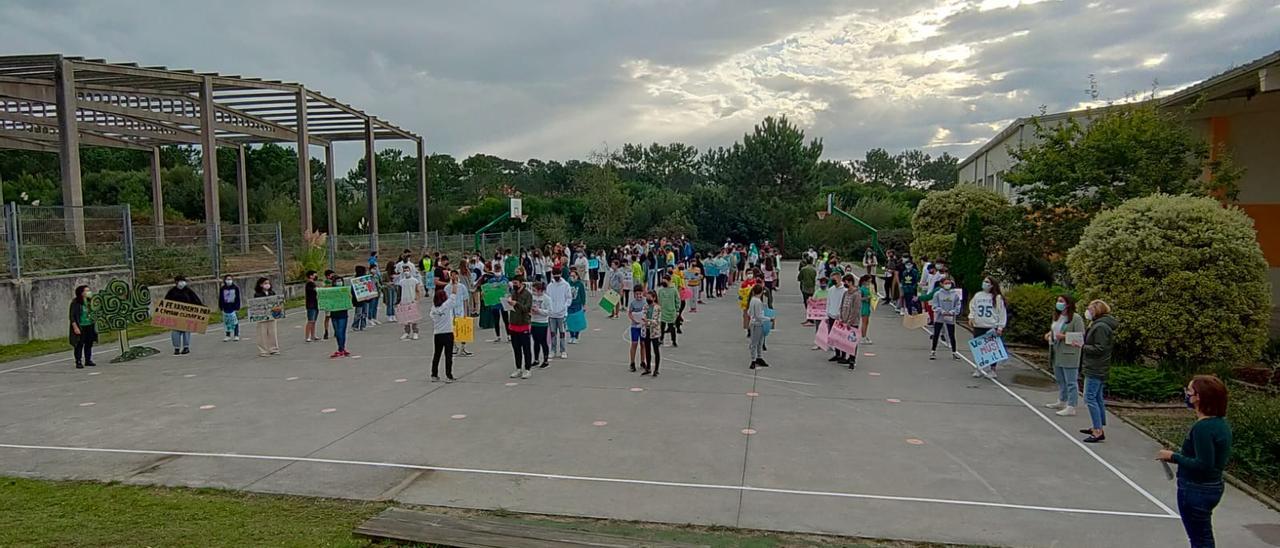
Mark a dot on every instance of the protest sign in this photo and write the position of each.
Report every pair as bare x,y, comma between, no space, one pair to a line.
915,321
988,349
1075,339
263,309
822,338
119,304
408,312
333,299
464,330
177,316
492,293
609,302
844,338
820,294
817,309
365,288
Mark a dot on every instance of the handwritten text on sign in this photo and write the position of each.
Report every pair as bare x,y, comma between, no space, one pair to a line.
177,316
263,309
817,309
988,349
365,287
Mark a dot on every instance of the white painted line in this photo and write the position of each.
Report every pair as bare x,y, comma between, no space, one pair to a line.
1073,439
625,481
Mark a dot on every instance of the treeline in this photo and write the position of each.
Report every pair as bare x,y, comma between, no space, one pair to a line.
766,186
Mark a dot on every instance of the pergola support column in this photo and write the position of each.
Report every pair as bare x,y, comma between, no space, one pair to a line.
242,192
422,191
69,152
331,204
209,159
157,195
304,162
371,172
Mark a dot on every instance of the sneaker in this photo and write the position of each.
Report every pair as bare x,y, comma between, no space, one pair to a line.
373,323
514,374
226,338
404,337
337,354
955,356
392,319
1095,439
977,373
466,352
186,350
1067,411
1056,405
564,355
449,380
633,367
545,364
176,352
346,353
867,342
646,373
274,352
527,373
414,337
933,355
834,359
753,364
989,373
814,347
237,338
308,339
79,365
763,363
435,378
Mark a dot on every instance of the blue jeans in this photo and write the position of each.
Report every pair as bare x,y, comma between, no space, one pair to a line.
1196,502
362,316
373,309
180,339
556,326
1068,389
340,332
1093,398
393,298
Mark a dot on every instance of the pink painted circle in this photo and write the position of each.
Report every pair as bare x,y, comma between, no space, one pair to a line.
207,407
637,389
752,394
600,423
748,431
893,400
458,417
915,441
328,410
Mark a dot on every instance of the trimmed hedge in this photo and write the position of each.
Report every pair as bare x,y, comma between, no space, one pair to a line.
1142,383
939,216
1031,311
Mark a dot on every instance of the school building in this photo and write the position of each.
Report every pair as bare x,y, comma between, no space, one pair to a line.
1240,115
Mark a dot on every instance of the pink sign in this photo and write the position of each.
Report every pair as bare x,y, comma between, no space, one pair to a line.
844,338
408,313
821,338
817,309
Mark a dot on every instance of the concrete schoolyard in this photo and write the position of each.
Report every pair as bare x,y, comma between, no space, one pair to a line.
902,447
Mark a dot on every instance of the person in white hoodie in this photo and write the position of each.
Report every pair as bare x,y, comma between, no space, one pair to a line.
561,296
945,303
987,312
442,314
460,295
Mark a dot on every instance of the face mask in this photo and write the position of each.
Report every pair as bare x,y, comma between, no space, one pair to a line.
182,285
1088,315
227,281
1061,306
88,294
946,287
986,286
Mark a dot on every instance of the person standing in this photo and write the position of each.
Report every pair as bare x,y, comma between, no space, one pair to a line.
459,295
635,313
694,277
443,311
312,304
1202,459
668,298
339,319
807,279
361,307
391,290
268,337
182,293
372,304
82,332
755,324
538,324
561,295
614,282
1096,363
653,330
229,304
866,286
851,313
910,277
869,263
835,298
576,321
946,302
1065,357
987,313
410,291
521,304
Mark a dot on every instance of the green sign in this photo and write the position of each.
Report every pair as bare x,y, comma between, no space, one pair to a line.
118,305
333,299
492,293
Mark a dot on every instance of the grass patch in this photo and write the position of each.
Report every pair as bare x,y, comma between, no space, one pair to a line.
41,347
41,513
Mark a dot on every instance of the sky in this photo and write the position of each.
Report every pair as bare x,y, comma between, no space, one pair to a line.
561,79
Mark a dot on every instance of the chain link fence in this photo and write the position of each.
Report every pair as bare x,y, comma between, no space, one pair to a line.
55,240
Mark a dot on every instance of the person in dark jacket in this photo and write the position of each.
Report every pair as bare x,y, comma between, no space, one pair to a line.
1202,458
268,338
520,301
181,292
229,304
82,333
1095,362
339,319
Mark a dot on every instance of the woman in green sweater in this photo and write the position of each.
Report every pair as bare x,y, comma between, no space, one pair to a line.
82,332
1203,457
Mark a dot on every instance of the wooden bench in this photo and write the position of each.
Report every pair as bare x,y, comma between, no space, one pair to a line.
422,527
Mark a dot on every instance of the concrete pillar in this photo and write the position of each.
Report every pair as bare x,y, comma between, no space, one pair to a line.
371,172
242,191
69,152
331,203
157,195
304,162
209,154
422,191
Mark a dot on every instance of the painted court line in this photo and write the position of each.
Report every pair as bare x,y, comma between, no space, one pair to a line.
69,358
1073,439
594,479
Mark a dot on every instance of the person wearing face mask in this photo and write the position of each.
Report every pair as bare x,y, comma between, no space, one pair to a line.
82,332
1202,459
561,296
1065,357
1096,364
850,314
229,303
910,279
866,285
652,329
180,292
268,338
987,312
521,304
576,321
946,301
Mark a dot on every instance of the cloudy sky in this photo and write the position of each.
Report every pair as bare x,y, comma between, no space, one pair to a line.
558,79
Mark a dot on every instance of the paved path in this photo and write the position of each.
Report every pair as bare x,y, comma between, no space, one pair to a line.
903,447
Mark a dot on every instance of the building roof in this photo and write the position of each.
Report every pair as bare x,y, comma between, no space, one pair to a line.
1054,117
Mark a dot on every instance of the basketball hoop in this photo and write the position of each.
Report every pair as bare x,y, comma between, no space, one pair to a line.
822,215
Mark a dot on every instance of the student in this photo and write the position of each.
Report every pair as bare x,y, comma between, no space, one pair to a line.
312,303
1096,363
987,312
931,280
81,332
910,277
807,279
180,292
835,298
866,285
339,319
577,306
770,280
946,302
391,291
229,304
632,277
653,312
362,310
459,295
443,311
372,304
1064,357
411,291
329,276
869,263
755,323
268,337
616,281
850,313
561,296
1203,457
521,304
635,313
693,278
541,304
668,298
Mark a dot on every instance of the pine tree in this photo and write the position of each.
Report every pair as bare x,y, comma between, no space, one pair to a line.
968,260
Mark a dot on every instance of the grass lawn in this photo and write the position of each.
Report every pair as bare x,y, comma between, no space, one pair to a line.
76,514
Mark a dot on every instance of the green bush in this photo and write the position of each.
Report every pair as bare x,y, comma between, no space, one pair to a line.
1271,354
1031,311
1255,432
1185,276
1142,383
939,216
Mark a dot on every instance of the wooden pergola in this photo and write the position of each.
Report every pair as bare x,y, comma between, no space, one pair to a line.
58,103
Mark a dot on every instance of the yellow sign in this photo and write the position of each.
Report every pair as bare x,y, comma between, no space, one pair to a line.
177,316
464,330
